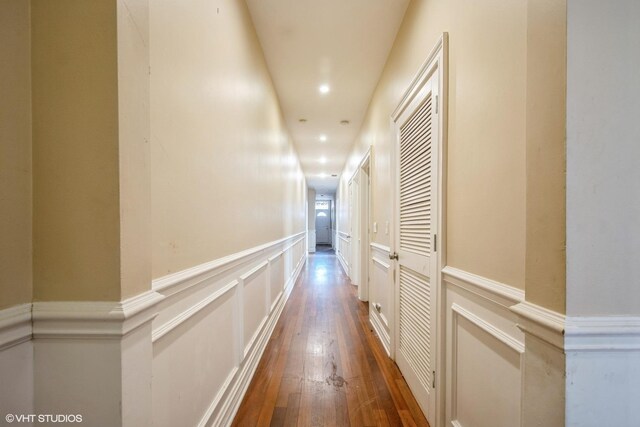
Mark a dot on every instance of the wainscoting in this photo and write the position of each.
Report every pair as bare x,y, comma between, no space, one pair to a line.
380,293
343,250
212,328
16,361
484,352
182,353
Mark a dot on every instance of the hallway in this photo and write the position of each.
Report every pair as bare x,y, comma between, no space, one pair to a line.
323,365
175,177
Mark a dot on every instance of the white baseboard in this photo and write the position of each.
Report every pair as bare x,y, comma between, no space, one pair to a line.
380,294
381,331
232,303
225,406
343,264
343,241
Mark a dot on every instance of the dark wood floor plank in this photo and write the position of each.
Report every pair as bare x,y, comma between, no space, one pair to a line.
324,365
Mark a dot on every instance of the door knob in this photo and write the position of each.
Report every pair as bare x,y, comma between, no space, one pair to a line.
393,256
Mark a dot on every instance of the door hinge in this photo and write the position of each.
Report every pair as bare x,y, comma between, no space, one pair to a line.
433,384
435,243
436,104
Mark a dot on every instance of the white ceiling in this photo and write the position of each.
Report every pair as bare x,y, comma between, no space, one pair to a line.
342,43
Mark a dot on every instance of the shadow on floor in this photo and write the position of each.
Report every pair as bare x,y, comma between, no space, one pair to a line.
324,249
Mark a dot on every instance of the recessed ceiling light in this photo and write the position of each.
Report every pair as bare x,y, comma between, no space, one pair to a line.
324,88
323,160
344,122
323,138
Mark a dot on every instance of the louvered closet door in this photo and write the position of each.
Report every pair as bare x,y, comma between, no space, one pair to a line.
416,223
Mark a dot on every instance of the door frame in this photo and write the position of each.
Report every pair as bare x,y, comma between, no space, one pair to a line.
364,224
330,238
436,62
354,253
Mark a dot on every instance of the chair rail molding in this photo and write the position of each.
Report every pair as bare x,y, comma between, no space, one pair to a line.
482,345
542,323
88,319
15,325
224,310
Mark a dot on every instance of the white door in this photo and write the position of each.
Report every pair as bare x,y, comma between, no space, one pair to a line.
415,228
323,223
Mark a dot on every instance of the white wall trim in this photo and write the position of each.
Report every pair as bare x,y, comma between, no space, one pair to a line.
89,319
421,76
260,267
218,400
275,257
343,261
191,292
380,247
183,279
613,333
497,292
225,405
487,327
381,263
15,325
170,325
540,322
485,304
376,320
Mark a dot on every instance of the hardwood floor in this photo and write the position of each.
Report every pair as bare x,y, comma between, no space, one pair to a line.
324,366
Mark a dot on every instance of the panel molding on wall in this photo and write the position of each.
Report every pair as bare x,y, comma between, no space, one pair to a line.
98,352
228,304
380,291
344,247
478,317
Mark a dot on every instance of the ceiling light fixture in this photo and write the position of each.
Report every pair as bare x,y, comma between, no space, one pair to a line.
323,160
323,175
324,89
302,120
323,138
344,122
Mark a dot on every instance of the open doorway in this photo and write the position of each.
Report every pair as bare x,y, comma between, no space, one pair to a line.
360,220
325,219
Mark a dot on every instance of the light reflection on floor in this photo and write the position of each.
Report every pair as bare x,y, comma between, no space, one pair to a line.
320,274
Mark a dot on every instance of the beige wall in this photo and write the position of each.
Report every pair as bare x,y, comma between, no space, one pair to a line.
546,146
225,177
487,146
75,150
15,154
90,149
